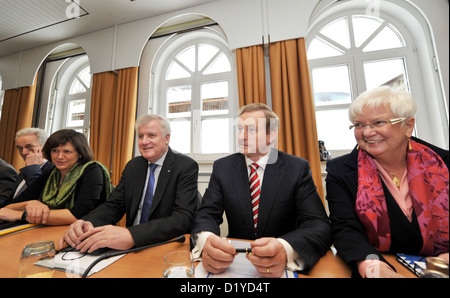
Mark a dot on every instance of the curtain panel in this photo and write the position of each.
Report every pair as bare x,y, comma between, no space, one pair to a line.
251,75
113,113
292,101
102,120
17,113
124,119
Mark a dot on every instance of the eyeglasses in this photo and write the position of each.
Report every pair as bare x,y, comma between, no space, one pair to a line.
376,125
29,147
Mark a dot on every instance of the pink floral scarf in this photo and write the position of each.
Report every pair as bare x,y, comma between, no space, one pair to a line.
428,181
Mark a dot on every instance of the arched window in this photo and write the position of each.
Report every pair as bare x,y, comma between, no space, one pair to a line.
66,95
77,101
349,54
194,92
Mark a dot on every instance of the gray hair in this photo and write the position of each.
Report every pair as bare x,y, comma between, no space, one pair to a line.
400,102
163,122
41,134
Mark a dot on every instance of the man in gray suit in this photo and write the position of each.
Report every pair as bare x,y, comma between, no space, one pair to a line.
278,207
168,214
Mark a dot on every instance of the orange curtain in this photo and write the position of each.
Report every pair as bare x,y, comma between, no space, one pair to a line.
17,113
250,74
292,101
124,120
102,120
113,115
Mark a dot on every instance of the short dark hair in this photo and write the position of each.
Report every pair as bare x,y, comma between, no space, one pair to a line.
78,140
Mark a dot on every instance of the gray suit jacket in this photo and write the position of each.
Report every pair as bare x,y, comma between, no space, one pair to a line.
174,203
290,207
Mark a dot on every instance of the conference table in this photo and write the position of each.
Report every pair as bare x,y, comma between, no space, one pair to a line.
147,263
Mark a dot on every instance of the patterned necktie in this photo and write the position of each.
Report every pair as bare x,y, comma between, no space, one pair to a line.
254,192
148,195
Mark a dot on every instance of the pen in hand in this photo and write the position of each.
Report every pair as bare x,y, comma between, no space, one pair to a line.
244,250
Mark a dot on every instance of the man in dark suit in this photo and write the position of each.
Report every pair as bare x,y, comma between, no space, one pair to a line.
29,141
7,177
171,210
289,224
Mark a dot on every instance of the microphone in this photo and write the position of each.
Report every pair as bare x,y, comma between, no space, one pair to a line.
180,239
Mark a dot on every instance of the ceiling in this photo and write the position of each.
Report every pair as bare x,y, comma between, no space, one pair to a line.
25,24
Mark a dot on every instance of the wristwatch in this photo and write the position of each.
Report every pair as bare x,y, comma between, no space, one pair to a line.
24,215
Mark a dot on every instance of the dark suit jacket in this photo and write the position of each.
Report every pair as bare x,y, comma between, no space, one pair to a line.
29,174
349,235
174,203
289,207
7,177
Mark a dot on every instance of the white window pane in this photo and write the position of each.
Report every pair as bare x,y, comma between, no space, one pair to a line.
321,49
179,101
388,38
331,85
215,136
363,27
76,87
205,53
75,115
338,32
85,76
187,57
180,136
332,128
175,71
385,72
214,98
219,65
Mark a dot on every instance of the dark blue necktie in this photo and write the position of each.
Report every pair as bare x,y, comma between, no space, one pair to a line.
148,195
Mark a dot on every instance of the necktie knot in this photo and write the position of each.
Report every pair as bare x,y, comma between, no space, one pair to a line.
254,166
153,166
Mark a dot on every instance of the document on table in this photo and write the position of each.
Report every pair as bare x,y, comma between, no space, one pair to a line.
76,263
240,268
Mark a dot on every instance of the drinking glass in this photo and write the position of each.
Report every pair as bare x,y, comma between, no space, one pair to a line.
178,264
33,253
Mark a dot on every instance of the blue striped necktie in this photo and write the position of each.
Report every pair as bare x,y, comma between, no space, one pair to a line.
148,195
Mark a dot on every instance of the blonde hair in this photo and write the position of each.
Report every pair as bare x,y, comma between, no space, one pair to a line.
271,118
400,102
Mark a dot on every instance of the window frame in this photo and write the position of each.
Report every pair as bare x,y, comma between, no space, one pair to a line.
166,53
71,97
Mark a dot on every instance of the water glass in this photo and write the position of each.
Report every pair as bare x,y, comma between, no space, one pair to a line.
178,264
33,253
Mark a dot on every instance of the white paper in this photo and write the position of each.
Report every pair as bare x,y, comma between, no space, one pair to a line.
240,268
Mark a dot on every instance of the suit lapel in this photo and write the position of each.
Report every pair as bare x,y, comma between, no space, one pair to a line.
241,185
273,175
163,179
138,181
352,174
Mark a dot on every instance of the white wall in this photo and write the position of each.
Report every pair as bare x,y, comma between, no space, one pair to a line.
244,23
